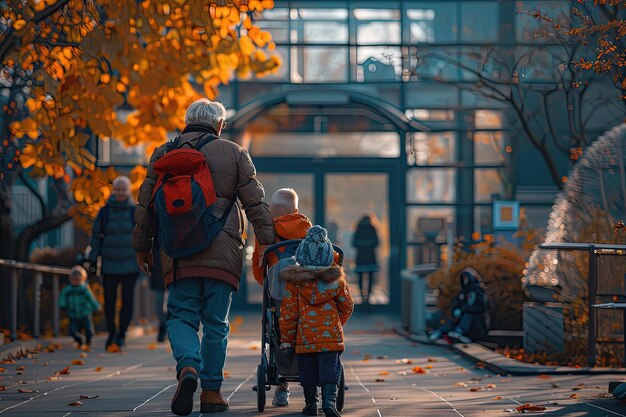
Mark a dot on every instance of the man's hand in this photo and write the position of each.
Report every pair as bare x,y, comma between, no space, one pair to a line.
145,262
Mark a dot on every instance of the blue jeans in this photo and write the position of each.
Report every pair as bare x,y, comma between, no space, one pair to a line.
76,325
193,301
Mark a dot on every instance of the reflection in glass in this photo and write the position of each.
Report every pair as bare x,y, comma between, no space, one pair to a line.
480,21
325,32
483,222
303,185
431,148
490,148
355,144
324,14
488,119
324,63
378,63
374,33
348,198
427,230
431,185
377,14
487,182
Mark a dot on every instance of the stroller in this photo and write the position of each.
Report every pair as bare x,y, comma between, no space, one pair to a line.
275,365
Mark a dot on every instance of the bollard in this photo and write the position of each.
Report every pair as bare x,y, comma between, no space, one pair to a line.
13,302
55,305
38,281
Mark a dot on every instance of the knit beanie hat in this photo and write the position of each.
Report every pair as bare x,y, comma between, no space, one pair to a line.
315,250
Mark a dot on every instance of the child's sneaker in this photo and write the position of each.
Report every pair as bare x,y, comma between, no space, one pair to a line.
281,396
114,348
85,348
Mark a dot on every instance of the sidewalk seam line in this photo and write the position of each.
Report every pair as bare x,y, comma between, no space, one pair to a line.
444,400
153,397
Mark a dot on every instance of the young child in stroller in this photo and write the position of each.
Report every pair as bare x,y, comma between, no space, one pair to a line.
289,224
315,307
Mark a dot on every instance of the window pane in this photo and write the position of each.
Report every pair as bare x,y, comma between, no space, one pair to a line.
355,144
274,14
428,223
487,182
423,31
375,33
324,14
480,21
488,119
490,148
378,63
430,115
432,185
325,32
278,29
377,14
431,148
324,64
483,223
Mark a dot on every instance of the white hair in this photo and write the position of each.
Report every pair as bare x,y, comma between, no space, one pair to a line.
284,201
205,112
121,180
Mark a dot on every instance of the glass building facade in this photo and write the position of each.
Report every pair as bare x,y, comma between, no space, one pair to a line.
368,116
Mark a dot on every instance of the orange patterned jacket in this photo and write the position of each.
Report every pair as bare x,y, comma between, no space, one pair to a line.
316,306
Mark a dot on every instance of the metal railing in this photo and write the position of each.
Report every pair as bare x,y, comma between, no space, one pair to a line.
38,271
595,250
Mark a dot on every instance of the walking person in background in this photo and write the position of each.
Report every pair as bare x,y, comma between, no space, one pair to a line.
201,183
111,237
365,240
79,303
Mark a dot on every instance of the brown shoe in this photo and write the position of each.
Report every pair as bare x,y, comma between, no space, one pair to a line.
182,403
212,402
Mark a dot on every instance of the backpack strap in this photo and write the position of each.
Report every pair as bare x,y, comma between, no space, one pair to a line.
233,200
204,140
104,220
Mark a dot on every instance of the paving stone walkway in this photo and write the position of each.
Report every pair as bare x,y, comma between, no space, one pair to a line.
140,381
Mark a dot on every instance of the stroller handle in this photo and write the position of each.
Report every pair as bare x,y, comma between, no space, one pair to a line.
276,246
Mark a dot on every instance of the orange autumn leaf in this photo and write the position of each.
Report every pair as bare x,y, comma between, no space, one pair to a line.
3,388
152,346
99,369
75,404
64,371
432,359
20,368
83,355
2,370
476,389
78,362
418,370
497,398
530,408
574,396
383,373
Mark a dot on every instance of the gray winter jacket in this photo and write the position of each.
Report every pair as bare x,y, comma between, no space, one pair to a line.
114,242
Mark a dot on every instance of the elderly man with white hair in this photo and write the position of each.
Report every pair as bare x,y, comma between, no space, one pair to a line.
111,237
200,285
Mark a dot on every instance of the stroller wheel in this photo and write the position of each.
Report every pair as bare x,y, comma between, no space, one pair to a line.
341,393
260,383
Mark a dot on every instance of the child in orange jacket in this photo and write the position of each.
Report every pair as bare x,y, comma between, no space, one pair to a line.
288,224
316,306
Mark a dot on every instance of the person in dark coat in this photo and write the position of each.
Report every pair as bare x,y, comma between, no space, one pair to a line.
365,240
157,285
111,237
470,310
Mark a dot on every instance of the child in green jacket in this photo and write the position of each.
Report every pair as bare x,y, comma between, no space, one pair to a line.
79,302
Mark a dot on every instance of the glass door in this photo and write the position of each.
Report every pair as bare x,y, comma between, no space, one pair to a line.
349,197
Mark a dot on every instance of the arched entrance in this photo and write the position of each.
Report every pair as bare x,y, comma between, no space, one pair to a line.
344,153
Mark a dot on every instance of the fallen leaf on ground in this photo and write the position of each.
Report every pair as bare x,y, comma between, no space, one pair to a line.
27,391
367,356
555,385
579,387
529,408
497,398
544,376
2,370
78,362
479,365
20,368
574,396
476,389
3,388
432,359
75,404
83,355
253,347
88,397
490,386
226,374
98,368
152,346
605,395
429,367
7,361
380,380
461,385
53,378
404,361
383,373
476,378
356,352
65,371
418,370
402,373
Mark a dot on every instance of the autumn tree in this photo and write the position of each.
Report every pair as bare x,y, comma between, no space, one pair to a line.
67,66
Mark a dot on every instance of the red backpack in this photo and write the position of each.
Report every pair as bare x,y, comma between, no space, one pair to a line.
184,199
